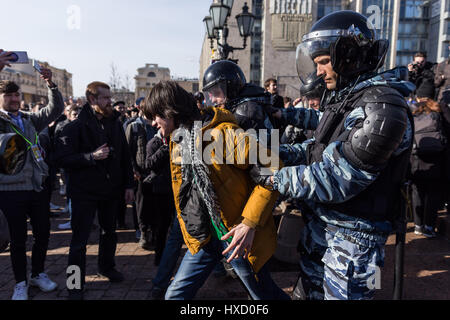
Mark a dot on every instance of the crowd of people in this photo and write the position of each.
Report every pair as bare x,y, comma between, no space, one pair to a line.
343,154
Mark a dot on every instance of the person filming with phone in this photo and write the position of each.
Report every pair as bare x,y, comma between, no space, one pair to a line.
94,152
22,177
421,74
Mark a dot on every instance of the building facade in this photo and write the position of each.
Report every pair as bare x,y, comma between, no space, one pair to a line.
33,88
124,95
148,76
190,85
409,25
439,31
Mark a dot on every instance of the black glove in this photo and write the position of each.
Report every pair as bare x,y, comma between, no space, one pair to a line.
258,177
163,152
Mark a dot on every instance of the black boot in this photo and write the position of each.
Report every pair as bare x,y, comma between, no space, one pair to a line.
144,242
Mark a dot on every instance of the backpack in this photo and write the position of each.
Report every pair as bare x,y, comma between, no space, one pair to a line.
429,138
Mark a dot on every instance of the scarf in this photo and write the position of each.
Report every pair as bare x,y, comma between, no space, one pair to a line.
194,169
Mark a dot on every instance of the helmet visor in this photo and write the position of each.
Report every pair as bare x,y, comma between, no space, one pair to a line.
307,51
216,95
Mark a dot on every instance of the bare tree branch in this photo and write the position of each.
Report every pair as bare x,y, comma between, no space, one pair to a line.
115,79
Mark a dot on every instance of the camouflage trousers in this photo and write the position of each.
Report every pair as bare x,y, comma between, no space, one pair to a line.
334,266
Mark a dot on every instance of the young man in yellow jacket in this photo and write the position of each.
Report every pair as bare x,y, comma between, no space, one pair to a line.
222,212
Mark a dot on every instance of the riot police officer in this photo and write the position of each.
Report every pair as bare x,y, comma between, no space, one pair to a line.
311,93
224,84
349,176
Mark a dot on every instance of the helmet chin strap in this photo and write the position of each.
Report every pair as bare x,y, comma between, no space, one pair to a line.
342,82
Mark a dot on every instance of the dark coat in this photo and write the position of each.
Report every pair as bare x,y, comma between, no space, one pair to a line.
430,166
446,126
423,79
443,69
158,164
138,134
88,178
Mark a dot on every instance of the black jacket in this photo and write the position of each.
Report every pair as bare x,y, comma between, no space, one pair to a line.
88,178
428,166
158,164
423,78
446,122
138,134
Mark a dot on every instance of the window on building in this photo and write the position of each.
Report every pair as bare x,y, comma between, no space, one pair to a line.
325,7
151,75
255,75
421,28
195,87
412,9
403,60
423,44
257,8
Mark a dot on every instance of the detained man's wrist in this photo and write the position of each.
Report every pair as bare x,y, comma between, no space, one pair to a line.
275,181
249,223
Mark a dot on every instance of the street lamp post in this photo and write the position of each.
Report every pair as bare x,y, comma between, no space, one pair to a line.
217,28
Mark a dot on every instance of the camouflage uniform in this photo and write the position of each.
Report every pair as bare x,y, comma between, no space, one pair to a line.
341,250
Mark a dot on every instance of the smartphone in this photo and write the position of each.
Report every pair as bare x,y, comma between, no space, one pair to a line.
19,57
37,66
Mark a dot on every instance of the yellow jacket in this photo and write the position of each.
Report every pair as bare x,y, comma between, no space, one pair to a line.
239,198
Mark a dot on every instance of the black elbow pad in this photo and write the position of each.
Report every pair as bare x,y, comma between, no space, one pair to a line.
372,142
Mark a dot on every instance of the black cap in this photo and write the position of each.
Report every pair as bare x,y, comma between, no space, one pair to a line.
119,102
426,90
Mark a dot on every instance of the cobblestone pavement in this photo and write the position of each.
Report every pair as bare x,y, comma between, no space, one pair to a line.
427,265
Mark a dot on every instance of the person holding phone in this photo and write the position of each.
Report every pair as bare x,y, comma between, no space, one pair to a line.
22,194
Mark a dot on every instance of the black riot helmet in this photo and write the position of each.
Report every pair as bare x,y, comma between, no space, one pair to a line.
223,80
350,40
314,86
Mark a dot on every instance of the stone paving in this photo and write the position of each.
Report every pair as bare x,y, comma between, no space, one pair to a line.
427,265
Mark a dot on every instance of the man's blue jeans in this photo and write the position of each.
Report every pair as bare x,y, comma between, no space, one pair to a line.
170,257
195,269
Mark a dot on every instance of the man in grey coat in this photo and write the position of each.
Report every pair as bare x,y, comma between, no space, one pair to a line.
21,193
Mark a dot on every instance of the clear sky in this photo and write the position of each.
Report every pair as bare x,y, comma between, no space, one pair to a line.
127,33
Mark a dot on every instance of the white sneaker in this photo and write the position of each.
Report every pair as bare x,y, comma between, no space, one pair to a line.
418,229
43,282
20,291
54,206
65,226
